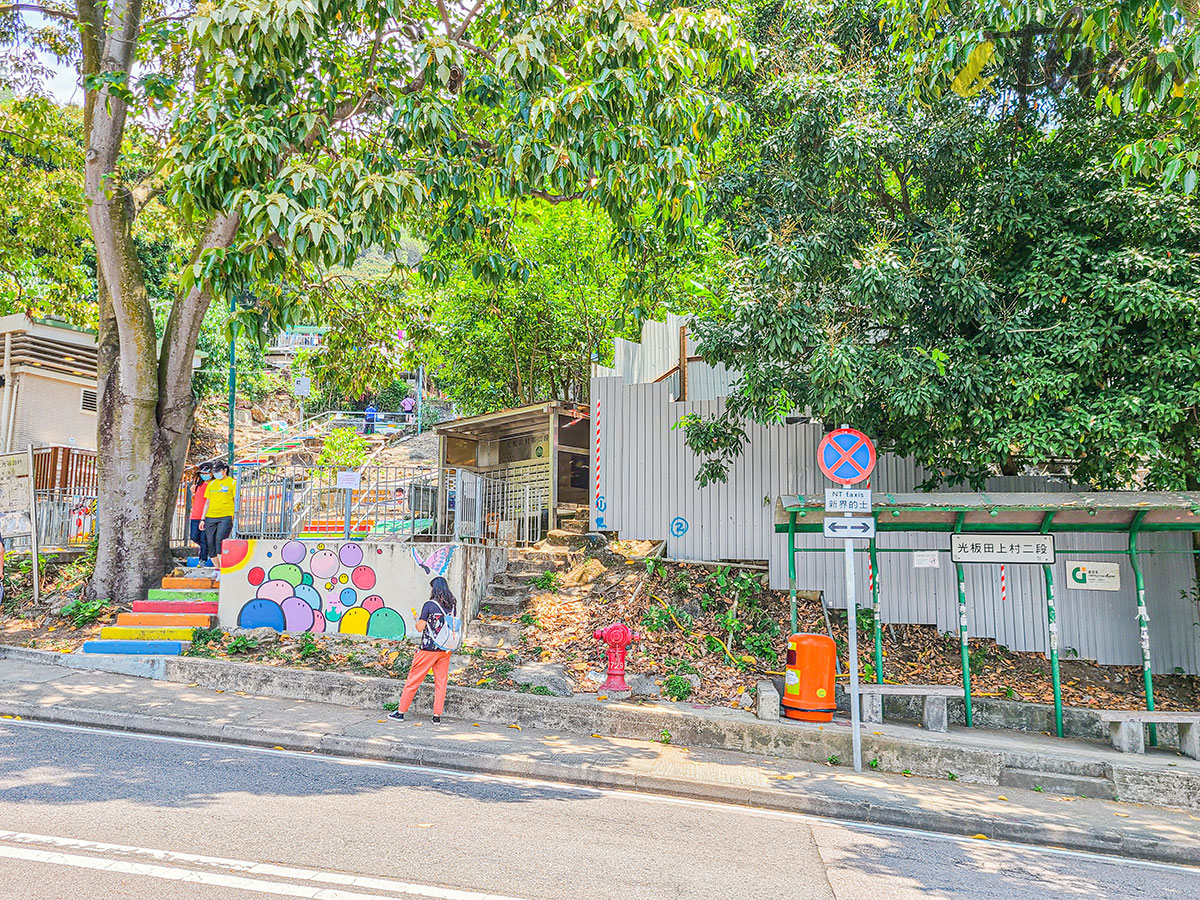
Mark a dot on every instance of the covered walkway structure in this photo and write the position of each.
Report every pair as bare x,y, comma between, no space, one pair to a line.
921,526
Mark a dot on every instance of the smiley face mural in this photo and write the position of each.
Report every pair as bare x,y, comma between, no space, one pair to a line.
324,586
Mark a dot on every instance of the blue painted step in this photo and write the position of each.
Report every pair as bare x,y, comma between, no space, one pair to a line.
142,648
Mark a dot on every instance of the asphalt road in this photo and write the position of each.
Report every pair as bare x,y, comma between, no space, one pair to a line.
88,815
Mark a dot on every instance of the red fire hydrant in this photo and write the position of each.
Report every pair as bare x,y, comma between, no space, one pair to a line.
618,637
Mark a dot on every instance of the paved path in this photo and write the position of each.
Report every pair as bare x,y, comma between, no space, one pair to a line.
94,814
102,699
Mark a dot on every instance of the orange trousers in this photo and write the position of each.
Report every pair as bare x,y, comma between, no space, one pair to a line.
426,660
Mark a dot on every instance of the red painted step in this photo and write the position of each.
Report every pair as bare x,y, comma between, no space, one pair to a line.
201,607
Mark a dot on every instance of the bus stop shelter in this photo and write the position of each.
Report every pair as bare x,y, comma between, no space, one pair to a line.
1130,514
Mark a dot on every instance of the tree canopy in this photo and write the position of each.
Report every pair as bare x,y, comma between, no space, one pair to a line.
977,289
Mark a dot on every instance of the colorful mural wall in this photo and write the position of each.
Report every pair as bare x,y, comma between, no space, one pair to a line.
332,586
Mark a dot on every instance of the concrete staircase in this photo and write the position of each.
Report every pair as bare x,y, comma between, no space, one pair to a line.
163,623
498,626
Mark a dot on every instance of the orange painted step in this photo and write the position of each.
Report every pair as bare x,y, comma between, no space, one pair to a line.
164,620
182,584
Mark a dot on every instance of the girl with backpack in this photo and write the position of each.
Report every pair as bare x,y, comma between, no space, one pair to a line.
441,633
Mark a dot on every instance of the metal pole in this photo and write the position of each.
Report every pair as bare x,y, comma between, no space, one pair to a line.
962,632
420,393
346,522
875,606
34,547
852,622
1143,620
792,570
1054,674
232,372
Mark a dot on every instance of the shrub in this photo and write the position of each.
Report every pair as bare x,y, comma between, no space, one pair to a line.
84,612
343,447
676,687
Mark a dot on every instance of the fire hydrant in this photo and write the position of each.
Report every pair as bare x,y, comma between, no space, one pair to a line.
618,637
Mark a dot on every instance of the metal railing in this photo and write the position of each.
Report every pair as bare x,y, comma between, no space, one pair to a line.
396,502
505,505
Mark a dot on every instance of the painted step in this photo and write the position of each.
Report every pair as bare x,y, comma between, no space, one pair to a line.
143,648
164,620
177,594
172,583
200,607
141,633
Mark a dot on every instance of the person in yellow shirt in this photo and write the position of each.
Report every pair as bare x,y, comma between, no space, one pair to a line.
219,499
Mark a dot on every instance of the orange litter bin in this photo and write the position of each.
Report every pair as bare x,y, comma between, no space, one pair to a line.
808,680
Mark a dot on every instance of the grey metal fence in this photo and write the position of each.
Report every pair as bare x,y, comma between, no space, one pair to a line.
507,506
283,501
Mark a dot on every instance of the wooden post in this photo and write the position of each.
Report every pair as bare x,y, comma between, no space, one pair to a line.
683,363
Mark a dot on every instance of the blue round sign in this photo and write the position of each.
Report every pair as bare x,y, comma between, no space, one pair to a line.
846,456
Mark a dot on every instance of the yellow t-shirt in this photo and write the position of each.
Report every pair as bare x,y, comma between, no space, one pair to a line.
219,495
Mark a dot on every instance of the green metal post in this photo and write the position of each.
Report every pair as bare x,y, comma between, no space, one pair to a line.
1054,674
1052,624
962,631
1143,619
792,569
875,606
232,373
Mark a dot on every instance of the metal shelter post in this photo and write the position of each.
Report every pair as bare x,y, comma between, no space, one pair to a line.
962,632
1052,626
232,373
792,570
875,606
1143,619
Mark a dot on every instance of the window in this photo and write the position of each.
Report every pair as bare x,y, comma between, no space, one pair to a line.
87,400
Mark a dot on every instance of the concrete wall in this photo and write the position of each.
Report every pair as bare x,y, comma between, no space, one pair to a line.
347,587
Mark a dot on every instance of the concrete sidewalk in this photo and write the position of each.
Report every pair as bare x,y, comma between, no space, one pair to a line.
54,693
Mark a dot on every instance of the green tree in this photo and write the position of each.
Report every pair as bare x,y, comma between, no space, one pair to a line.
300,132
976,289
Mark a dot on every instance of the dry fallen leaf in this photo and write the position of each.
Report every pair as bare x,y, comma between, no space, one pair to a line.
1001,797
783,777
518,727
593,735
1122,815
979,837
424,824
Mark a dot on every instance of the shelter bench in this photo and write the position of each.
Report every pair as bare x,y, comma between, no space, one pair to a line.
1125,729
933,699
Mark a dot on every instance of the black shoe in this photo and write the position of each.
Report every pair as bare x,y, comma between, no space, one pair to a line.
437,720
397,716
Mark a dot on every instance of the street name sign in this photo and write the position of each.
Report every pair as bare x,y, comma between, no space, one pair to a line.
1032,549
849,528
846,500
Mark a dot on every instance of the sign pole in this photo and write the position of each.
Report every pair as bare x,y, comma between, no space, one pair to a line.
875,606
852,622
33,529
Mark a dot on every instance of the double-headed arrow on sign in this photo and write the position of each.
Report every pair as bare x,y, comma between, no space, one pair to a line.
849,528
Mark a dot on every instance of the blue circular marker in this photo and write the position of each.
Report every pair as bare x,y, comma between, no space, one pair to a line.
679,526
846,456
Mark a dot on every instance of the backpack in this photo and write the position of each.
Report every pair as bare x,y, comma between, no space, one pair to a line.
450,635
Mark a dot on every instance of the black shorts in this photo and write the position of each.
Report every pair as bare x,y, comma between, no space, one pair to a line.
215,532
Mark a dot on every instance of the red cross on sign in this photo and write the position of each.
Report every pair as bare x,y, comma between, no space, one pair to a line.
846,456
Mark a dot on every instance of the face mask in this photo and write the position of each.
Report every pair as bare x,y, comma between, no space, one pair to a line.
205,476
220,473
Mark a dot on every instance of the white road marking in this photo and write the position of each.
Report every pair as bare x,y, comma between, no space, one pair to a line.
239,882
482,777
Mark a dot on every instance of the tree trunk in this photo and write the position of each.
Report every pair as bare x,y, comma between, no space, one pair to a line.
145,407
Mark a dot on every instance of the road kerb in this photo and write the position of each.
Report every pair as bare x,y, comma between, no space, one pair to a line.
805,802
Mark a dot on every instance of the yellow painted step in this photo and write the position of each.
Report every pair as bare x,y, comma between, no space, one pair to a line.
125,633
165,620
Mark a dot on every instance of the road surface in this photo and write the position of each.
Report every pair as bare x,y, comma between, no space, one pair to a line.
90,815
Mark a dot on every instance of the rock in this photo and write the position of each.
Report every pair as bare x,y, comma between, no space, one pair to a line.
693,608
585,574
693,680
418,454
643,685
264,635
595,540
241,417
257,414
547,675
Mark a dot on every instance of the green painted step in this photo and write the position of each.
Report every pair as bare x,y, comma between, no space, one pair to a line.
131,633
182,594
